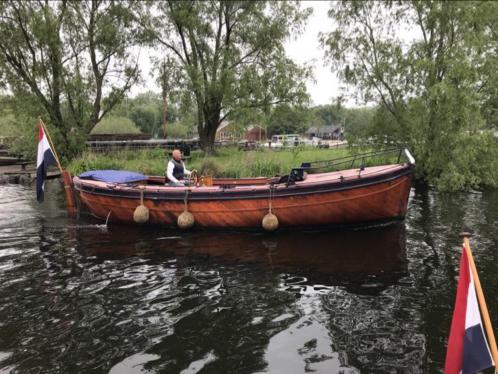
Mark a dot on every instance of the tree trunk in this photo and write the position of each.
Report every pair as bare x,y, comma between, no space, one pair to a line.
207,135
165,114
209,113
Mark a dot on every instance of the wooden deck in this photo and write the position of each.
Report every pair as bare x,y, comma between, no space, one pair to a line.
23,173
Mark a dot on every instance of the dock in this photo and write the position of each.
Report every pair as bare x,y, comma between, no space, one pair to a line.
23,173
15,169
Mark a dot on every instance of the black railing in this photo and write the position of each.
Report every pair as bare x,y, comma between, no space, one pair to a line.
384,157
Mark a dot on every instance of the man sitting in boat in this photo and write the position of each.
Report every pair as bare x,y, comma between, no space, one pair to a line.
176,170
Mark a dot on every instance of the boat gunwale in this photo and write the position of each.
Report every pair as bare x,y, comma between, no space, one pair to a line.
327,186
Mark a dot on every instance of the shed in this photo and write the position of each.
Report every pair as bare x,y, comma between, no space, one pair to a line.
255,133
334,132
228,132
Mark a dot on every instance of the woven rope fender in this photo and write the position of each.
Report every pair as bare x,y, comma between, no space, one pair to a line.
270,220
185,219
141,213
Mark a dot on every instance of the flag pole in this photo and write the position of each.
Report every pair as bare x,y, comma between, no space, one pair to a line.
482,301
40,122
66,176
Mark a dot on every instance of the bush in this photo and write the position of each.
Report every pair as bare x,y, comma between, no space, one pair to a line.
209,167
21,134
115,125
177,131
7,124
473,164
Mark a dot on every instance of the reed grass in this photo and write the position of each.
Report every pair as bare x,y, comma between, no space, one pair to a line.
228,162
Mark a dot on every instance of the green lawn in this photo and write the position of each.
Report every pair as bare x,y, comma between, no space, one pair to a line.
228,162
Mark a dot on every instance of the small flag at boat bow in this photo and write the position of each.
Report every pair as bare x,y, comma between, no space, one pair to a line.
468,350
44,159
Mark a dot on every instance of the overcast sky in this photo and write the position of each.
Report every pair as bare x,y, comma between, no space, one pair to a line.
304,49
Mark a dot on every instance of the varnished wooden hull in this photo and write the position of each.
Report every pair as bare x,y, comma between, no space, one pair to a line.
364,199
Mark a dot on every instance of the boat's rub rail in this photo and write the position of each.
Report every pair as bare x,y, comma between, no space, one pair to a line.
315,183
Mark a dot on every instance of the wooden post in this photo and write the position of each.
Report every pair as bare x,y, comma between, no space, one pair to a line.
69,192
482,302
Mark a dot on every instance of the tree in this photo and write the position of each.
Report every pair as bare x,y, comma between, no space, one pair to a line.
357,121
487,23
324,115
427,87
146,110
230,56
147,118
73,57
168,78
115,125
285,119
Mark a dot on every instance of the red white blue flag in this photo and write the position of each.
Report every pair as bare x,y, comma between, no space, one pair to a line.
44,159
468,350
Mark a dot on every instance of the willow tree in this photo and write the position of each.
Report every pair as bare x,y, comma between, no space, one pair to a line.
231,55
427,65
72,57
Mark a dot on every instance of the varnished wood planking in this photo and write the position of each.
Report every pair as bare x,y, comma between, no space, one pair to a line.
379,201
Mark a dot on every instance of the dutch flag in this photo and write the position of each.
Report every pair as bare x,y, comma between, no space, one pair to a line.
44,159
468,350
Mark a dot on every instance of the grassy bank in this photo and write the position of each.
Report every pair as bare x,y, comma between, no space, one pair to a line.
228,162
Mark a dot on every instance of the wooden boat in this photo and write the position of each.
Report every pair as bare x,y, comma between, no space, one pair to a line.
305,197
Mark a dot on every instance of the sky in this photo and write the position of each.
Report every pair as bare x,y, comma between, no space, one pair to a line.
304,49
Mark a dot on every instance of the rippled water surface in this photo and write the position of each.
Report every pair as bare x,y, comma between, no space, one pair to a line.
77,297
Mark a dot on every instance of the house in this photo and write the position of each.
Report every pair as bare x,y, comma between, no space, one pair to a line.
228,132
255,133
332,132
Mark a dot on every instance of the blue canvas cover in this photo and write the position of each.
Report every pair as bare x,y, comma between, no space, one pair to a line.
113,176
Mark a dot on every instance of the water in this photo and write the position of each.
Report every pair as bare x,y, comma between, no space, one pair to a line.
77,297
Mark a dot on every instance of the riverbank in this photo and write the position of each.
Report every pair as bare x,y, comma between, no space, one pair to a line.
228,162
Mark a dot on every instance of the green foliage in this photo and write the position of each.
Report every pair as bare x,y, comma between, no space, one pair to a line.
473,163
8,124
150,162
228,162
20,139
62,54
18,124
208,167
146,111
229,56
115,125
435,93
285,119
177,131
147,118
324,115
356,121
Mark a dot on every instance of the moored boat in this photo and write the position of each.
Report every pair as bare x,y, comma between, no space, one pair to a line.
308,196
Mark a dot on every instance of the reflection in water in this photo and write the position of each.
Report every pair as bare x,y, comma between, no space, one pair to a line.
371,251
80,297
